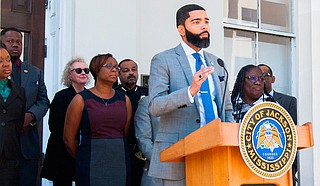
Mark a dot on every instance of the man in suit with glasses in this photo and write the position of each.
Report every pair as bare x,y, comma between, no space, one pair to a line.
287,102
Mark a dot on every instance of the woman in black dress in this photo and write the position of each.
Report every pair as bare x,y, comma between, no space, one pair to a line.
58,165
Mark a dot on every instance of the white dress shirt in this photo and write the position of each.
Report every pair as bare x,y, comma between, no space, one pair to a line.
192,62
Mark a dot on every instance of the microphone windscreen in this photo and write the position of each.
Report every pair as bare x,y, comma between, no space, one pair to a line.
220,62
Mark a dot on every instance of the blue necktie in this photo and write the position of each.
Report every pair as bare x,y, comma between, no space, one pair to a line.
205,92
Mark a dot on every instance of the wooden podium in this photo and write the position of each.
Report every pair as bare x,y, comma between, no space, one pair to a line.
212,156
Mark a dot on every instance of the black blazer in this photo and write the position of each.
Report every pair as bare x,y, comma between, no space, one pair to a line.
287,102
11,121
58,163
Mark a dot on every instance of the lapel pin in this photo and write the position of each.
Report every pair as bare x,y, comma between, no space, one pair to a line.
25,71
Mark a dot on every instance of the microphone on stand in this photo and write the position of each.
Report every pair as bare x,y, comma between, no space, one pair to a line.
221,63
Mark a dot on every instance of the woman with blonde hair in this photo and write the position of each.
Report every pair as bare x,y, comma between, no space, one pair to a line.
58,165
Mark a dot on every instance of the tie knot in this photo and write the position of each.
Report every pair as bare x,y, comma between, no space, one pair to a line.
196,55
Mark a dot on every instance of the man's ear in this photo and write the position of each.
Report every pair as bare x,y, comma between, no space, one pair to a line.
181,30
273,79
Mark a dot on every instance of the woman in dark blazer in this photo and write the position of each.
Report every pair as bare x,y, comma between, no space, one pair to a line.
12,107
58,165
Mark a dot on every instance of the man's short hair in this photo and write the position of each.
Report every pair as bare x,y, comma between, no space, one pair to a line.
124,60
183,13
269,68
2,45
5,30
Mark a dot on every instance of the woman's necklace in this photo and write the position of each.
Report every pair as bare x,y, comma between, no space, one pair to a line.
105,102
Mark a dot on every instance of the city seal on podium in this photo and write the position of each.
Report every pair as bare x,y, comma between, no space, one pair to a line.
268,140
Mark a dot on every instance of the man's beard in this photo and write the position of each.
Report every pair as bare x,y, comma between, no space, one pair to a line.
196,40
132,82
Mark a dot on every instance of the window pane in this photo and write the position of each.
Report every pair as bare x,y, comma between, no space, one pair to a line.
243,12
276,15
275,51
239,51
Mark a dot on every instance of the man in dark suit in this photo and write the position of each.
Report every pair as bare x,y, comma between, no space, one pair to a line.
185,82
128,76
30,78
287,102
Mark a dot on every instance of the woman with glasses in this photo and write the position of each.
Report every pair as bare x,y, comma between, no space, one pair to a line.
248,90
103,117
58,165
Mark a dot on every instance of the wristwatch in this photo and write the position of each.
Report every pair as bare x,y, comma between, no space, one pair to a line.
33,122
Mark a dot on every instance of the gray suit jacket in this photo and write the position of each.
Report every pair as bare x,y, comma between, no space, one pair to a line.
287,102
146,127
170,76
37,103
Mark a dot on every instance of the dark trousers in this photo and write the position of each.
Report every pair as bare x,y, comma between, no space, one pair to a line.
62,183
28,171
295,171
136,170
8,171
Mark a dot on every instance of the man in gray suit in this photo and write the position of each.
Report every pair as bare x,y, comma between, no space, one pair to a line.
30,78
146,128
176,93
287,102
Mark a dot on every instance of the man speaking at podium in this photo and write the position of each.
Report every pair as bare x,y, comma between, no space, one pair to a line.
186,90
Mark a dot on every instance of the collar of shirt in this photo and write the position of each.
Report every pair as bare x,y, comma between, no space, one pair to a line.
192,61
4,89
125,89
271,93
261,99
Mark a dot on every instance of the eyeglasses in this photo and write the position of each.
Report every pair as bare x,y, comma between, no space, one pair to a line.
79,70
266,74
254,79
110,67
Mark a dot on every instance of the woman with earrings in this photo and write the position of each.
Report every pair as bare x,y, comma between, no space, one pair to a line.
58,165
103,117
248,90
12,106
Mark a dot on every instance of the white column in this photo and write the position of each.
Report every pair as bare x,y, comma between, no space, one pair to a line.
315,17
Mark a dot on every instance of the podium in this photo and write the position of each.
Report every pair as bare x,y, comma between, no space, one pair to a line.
212,156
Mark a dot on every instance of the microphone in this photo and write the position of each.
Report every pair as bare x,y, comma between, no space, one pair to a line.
221,63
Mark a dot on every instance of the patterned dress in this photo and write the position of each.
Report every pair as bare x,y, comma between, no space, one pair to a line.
102,157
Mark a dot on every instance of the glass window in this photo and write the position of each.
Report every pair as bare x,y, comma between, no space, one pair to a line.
239,51
275,52
276,15
254,36
242,12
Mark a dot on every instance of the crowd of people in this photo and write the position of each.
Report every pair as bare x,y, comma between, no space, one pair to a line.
113,133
